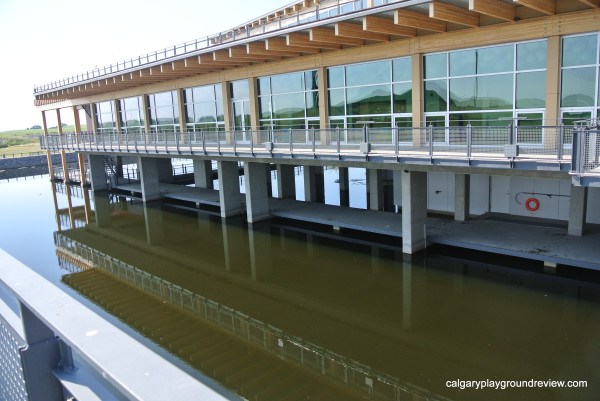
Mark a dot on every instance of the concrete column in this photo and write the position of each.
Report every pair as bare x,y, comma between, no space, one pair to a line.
397,183
229,188
97,172
48,153
344,186
261,261
101,210
155,226
577,210
286,181
149,178
165,170
257,199
462,193
268,172
314,185
375,189
414,211
234,248
203,174
323,110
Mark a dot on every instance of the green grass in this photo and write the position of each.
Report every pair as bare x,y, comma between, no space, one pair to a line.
25,132
25,141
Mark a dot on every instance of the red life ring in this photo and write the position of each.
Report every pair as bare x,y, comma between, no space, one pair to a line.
530,207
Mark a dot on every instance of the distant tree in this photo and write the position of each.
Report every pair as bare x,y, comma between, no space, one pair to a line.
36,127
64,124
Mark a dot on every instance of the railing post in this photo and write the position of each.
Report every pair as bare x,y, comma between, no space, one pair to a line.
252,141
177,142
190,139
430,132
166,143
203,137
365,134
219,143
469,139
234,144
145,142
135,142
291,141
561,138
313,141
395,139
339,147
156,143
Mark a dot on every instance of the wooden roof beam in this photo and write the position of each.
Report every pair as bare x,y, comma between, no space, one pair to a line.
407,18
242,52
591,3
303,40
357,31
298,7
387,26
328,36
449,13
260,48
494,8
223,55
280,44
547,7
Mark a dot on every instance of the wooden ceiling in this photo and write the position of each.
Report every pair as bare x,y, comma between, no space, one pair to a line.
375,28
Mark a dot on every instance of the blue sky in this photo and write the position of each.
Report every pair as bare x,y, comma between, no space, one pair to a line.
43,41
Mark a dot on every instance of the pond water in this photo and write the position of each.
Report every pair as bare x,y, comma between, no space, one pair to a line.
283,310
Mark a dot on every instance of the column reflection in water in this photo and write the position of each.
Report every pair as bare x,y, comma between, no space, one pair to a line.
270,321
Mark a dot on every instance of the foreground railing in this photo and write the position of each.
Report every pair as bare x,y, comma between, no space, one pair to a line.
541,142
586,155
54,348
317,359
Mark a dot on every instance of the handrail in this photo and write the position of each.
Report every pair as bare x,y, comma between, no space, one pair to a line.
326,9
543,143
70,331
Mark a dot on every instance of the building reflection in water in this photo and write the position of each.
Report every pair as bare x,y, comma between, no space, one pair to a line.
276,311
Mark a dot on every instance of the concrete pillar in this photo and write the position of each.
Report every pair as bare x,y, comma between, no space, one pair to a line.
375,182
397,183
229,188
462,193
261,261
203,174
234,248
577,210
149,178
314,185
286,181
268,172
155,226
344,186
165,170
102,210
414,211
257,199
97,172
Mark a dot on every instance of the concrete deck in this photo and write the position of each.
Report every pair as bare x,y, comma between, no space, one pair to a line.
512,236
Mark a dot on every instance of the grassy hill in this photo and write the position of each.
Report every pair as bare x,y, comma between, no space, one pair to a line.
23,142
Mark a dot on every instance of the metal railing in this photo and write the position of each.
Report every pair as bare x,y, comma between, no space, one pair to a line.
501,143
317,359
59,349
326,9
586,150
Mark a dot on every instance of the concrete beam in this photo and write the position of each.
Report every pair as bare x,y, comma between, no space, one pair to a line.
257,196
149,178
314,184
203,174
229,188
577,210
375,189
286,181
414,211
97,172
462,193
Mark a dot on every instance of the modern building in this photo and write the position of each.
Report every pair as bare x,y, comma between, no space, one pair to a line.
463,107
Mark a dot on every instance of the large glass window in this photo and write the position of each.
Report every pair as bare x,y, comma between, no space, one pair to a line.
164,112
240,106
483,84
379,92
105,117
132,114
579,77
204,108
289,100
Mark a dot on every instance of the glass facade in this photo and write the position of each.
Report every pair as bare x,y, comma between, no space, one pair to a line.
204,108
240,105
579,78
131,112
289,100
482,85
379,93
164,112
105,117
